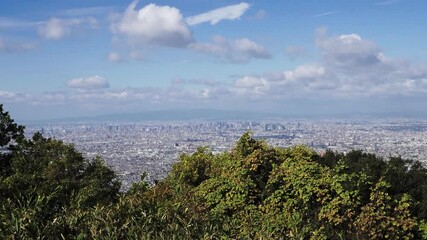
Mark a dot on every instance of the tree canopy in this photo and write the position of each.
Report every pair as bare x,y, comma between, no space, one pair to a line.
48,190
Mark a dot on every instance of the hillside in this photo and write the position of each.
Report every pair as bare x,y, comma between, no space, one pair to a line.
49,190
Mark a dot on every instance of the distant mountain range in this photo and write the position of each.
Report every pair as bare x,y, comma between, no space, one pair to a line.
217,115
172,115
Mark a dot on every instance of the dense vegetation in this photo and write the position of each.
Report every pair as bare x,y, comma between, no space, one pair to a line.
48,190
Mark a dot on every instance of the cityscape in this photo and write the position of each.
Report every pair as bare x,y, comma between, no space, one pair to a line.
152,147
213,119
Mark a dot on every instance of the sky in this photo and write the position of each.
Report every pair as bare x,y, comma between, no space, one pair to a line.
76,58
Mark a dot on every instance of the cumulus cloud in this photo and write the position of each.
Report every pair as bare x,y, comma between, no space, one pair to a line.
153,25
57,28
231,12
347,49
305,72
237,50
350,67
250,48
290,82
252,86
89,83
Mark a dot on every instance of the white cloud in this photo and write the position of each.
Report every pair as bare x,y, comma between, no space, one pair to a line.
231,12
53,28
193,82
133,54
13,46
252,85
290,83
238,50
56,28
114,57
306,72
11,97
325,14
7,95
219,46
348,49
153,25
250,48
350,67
343,72
249,82
89,83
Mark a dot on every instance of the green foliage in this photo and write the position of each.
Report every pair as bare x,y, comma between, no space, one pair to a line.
44,177
48,190
193,169
9,130
404,176
10,133
422,228
383,218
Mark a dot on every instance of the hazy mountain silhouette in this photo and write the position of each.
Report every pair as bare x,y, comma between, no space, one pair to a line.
174,115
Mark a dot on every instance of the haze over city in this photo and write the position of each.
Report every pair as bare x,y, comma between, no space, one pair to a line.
62,59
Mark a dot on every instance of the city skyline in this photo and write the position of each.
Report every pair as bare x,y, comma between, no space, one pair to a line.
154,146
87,58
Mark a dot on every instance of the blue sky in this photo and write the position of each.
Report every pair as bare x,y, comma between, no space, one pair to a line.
84,58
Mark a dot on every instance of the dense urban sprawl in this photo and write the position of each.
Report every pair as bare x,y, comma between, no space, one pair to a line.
152,147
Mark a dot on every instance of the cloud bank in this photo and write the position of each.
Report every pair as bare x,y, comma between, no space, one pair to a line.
350,67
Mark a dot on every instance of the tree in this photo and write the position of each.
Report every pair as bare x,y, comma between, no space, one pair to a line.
383,218
10,133
255,191
43,177
9,130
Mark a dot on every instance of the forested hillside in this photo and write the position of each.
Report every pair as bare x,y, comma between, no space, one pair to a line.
48,190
